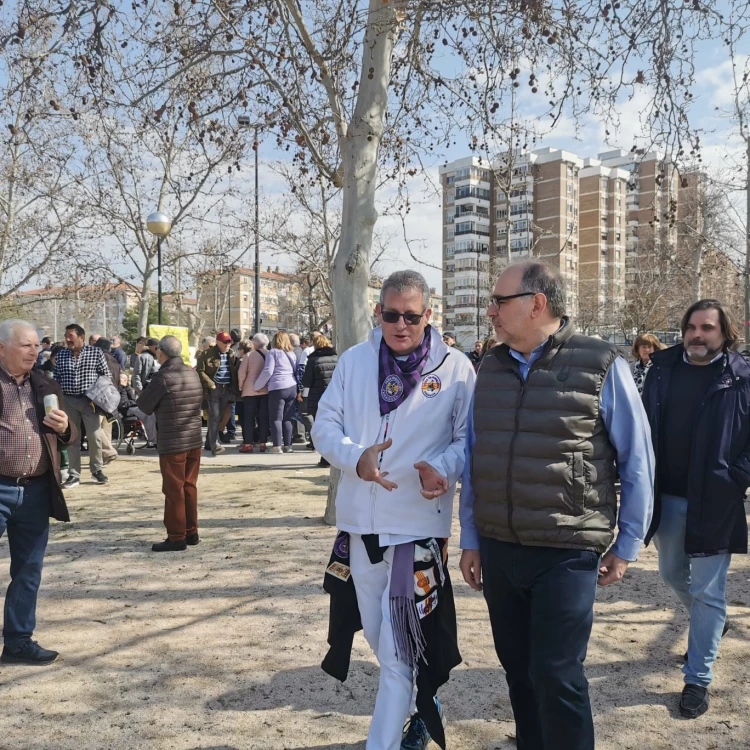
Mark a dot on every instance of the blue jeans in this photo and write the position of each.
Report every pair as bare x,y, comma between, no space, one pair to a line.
699,583
24,512
541,606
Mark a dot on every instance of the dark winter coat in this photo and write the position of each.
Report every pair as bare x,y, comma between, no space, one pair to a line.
175,395
318,373
720,460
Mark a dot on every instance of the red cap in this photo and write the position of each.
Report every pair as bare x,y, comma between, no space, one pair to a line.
224,337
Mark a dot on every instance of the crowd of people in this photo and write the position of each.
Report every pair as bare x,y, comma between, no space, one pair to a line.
569,460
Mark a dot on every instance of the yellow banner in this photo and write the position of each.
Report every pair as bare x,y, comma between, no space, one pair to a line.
159,332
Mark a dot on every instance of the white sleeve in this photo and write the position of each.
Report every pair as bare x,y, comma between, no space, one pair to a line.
328,429
451,462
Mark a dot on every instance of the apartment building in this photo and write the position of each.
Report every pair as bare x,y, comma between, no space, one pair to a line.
523,205
604,222
602,207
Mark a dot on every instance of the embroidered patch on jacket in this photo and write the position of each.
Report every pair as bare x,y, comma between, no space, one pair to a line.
337,570
431,386
424,608
422,554
424,581
391,389
341,545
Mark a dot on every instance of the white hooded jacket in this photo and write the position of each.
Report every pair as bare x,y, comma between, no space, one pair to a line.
429,426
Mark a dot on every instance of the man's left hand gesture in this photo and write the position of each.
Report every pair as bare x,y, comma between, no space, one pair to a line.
611,569
433,482
57,419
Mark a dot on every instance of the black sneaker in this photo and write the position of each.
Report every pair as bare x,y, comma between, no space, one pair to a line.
169,546
100,477
30,652
323,464
192,539
298,440
224,439
694,701
723,633
70,482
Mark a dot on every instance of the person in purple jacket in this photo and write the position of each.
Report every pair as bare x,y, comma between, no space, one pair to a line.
279,376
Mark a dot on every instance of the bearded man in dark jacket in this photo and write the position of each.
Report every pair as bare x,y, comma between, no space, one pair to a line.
697,397
175,395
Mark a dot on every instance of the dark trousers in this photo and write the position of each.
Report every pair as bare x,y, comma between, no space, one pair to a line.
179,474
231,424
281,405
24,513
541,606
255,407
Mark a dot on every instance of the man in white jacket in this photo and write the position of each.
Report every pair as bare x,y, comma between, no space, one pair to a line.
393,419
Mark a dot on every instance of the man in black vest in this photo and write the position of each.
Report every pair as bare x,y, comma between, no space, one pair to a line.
698,403
538,502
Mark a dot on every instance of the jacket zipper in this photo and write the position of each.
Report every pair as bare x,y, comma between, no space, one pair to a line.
509,481
374,490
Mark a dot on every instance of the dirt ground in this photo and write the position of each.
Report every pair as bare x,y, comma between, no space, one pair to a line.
219,647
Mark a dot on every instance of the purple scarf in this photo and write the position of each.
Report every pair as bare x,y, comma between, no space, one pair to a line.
397,379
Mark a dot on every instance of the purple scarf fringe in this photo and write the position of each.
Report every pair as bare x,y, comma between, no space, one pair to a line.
407,631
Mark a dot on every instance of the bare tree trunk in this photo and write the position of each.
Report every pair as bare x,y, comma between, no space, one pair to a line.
359,151
697,275
145,299
747,243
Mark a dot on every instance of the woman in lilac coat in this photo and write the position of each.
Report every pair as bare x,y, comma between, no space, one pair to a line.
279,377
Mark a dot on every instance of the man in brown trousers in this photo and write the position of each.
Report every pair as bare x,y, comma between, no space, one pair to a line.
175,395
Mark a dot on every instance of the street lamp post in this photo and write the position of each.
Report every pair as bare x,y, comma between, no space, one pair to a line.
159,224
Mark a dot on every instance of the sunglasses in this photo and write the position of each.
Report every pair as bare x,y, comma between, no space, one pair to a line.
411,319
498,299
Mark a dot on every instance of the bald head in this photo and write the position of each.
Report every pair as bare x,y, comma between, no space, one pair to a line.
527,303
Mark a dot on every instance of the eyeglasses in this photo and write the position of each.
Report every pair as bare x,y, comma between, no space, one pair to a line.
411,319
498,299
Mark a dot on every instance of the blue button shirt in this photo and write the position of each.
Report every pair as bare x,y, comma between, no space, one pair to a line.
627,425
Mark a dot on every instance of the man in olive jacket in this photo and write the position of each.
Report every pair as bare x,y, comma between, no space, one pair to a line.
175,396
538,503
217,369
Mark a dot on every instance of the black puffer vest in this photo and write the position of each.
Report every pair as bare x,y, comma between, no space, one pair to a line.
543,468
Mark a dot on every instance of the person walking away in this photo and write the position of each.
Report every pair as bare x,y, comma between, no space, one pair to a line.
475,357
393,420
32,434
146,366
175,395
140,345
538,501
279,377
254,403
697,397
643,347
118,353
109,453
218,373
294,340
316,378
77,368
44,351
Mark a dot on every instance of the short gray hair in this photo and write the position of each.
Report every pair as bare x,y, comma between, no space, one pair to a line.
260,338
208,341
540,278
171,346
8,328
401,281
294,339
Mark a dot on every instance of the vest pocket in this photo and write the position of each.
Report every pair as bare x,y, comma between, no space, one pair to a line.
578,484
